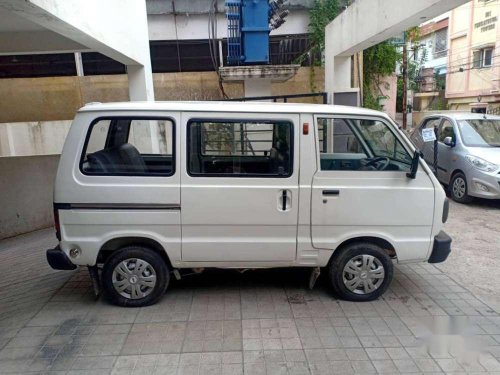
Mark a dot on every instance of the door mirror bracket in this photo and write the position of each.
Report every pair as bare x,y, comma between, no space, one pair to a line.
448,141
414,165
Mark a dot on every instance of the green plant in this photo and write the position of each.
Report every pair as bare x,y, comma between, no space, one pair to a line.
321,14
378,61
440,81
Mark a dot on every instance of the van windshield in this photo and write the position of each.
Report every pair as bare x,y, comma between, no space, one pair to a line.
480,132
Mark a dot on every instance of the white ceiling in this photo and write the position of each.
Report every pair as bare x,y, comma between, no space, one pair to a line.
11,22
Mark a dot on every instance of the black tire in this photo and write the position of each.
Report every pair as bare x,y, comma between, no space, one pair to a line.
353,252
153,259
454,194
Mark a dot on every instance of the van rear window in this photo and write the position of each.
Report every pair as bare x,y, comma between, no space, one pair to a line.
129,147
240,148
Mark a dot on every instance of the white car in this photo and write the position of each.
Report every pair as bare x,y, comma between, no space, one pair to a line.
149,189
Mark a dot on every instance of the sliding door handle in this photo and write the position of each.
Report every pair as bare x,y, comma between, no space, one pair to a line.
331,192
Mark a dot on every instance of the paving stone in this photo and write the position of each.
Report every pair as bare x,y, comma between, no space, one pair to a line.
262,322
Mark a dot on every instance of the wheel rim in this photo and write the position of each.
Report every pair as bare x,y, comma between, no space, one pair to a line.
363,274
459,187
134,278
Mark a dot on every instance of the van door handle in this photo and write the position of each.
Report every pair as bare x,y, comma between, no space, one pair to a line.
284,200
331,192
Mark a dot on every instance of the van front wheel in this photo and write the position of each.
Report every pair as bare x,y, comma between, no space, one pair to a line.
361,272
135,276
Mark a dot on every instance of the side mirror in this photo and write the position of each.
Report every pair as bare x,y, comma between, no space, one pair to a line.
448,141
414,165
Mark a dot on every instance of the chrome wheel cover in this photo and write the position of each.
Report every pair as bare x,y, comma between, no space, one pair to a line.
134,278
363,274
459,187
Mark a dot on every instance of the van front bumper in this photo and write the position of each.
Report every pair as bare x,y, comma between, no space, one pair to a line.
441,248
58,259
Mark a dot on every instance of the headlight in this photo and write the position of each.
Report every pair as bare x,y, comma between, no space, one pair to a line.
481,164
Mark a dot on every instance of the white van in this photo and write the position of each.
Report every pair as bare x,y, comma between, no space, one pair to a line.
149,189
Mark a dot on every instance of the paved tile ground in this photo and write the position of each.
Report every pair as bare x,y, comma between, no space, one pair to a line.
262,322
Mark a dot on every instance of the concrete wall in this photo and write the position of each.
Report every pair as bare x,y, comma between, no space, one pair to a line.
166,26
58,98
26,191
33,138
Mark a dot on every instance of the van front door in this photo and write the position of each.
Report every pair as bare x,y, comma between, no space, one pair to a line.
361,188
239,188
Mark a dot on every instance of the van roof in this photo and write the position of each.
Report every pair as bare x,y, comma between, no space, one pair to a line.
230,106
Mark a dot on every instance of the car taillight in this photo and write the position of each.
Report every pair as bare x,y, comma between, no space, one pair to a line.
56,224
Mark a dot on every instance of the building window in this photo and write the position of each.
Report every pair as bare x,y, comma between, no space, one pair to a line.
32,66
482,58
95,63
183,56
488,57
440,43
129,147
240,148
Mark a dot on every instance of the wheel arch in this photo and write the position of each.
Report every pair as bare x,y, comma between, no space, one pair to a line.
456,171
383,243
117,243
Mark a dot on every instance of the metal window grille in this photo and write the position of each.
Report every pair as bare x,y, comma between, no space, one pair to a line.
440,43
233,14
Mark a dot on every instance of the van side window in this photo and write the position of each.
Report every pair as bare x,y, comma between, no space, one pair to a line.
239,148
129,147
360,145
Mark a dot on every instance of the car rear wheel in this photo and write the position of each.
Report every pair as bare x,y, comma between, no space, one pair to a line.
135,276
361,272
459,189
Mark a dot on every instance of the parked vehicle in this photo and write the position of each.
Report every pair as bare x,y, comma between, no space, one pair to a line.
149,189
468,158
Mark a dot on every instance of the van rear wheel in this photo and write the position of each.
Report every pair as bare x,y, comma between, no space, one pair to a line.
135,276
361,272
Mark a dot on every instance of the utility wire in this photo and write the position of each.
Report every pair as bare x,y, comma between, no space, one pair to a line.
212,44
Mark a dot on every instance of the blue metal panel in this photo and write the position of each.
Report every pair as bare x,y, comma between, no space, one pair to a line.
248,31
234,42
255,31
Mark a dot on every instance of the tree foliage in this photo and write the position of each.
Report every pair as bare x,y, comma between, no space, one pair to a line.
378,61
321,14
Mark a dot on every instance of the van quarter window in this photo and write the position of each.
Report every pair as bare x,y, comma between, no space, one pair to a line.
129,147
360,145
240,148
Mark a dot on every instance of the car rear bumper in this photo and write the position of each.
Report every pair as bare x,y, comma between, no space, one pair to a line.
441,248
58,259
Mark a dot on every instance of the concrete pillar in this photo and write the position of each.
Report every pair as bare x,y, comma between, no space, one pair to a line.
329,66
257,87
79,64
140,83
342,73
